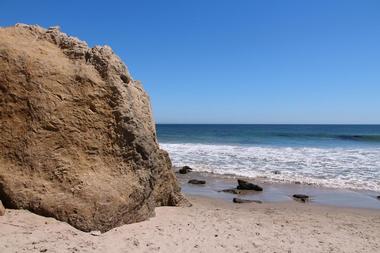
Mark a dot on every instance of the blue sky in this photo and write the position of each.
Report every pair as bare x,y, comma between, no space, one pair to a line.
234,61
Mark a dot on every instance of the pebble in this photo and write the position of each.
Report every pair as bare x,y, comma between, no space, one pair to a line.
95,233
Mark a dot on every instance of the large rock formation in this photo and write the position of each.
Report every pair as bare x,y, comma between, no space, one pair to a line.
77,138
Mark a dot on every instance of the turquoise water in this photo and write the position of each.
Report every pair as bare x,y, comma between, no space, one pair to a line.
341,156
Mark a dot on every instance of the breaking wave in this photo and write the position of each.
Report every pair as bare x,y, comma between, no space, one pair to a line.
354,168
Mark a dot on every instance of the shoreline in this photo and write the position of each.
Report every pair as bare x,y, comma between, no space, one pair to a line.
215,224
277,192
338,167
209,225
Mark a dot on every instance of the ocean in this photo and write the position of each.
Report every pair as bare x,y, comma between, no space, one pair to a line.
338,156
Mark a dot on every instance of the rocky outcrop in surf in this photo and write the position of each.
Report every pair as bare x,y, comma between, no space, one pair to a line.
78,140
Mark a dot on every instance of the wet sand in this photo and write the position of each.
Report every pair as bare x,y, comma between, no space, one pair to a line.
277,192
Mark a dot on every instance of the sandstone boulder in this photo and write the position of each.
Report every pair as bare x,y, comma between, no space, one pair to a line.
2,209
77,137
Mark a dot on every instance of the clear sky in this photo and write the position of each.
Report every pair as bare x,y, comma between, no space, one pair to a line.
205,61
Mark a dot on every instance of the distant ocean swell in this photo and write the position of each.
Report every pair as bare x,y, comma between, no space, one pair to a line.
353,168
363,138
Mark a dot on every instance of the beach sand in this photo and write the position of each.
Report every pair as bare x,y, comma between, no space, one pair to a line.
210,225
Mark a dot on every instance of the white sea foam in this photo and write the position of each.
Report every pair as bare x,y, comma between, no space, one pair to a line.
355,168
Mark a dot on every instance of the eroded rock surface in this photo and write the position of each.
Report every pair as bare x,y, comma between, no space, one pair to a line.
2,209
77,137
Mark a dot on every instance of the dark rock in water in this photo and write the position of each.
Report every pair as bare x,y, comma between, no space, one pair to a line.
185,170
297,182
301,197
241,201
233,191
378,197
276,172
244,185
196,181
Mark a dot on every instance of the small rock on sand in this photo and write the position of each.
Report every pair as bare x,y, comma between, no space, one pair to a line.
2,209
196,181
185,170
233,191
241,201
301,197
244,185
95,233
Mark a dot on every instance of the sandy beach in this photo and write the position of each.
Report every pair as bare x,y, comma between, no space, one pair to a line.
246,126
210,225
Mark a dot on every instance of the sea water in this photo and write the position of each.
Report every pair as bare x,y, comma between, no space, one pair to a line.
340,156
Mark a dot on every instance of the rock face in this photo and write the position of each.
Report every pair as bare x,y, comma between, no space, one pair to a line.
78,140
2,209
